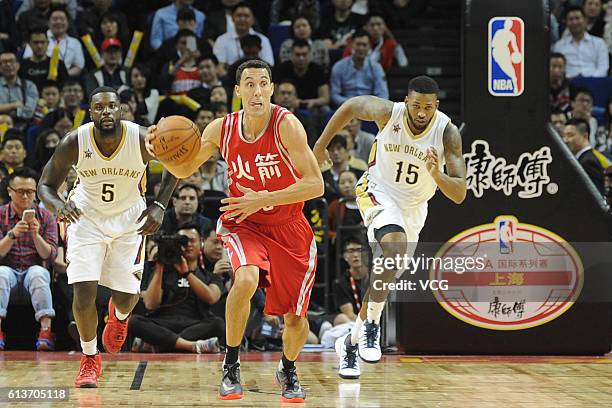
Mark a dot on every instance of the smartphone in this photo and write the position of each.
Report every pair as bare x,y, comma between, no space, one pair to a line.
28,215
191,43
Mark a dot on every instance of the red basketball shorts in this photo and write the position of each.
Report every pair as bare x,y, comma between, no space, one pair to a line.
286,256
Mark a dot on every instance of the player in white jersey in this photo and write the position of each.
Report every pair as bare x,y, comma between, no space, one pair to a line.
405,170
106,211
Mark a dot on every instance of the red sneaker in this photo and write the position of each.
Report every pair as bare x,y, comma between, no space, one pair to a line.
2,341
46,340
89,373
115,332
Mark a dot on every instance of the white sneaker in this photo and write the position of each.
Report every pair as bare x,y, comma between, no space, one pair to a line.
369,342
348,363
208,346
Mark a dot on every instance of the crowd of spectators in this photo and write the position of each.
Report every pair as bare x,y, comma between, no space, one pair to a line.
179,58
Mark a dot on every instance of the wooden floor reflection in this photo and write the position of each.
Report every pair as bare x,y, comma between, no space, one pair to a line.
170,380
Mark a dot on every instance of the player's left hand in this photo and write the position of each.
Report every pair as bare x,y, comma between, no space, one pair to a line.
431,162
155,216
34,227
241,207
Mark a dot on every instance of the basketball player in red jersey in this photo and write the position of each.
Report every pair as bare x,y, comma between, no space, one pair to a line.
270,243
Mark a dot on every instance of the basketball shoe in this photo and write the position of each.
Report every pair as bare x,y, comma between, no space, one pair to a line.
230,382
90,371
291,391
46,340
369,342
2,341
115,331
348,363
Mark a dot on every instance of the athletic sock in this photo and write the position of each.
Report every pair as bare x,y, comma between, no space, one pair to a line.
90,348
231,355
375,311
286,364
355,331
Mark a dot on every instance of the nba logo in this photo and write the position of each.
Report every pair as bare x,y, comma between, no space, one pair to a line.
506,56
505,235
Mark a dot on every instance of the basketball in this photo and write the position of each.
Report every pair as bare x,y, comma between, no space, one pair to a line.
177,143
516,57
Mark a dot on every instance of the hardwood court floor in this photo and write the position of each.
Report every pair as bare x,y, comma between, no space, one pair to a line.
170,380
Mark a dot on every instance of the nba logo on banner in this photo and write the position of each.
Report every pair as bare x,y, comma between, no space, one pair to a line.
506,56
505,234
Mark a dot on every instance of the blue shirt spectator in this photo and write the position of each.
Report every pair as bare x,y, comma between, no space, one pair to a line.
164,22
358,74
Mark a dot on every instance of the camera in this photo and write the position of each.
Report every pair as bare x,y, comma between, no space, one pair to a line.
170,248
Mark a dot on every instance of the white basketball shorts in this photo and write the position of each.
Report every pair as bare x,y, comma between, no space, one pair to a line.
107,249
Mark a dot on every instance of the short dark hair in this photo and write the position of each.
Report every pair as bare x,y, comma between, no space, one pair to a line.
13,134
70,82
102,89
218,106
573,8
558,55
374,13
23,172
37,30
183,186
184,32
581,124
184,14
424,85
300,42
352,239
360,32
211,57
205,107
241,5
250,40
189,225
253,63
557,111
580,90
338,140
62,8
47,83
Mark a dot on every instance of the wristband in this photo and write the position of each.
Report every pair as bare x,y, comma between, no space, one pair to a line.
160,205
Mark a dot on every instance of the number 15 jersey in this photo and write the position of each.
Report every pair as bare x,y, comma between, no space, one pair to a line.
397,161
109,185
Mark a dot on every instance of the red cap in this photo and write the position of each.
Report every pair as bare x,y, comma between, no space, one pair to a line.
110,42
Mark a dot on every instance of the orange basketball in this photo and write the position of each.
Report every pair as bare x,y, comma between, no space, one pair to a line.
177,142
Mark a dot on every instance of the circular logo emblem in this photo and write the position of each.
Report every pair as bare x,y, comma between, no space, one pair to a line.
525,276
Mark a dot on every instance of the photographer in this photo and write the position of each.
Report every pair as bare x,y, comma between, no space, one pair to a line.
180,294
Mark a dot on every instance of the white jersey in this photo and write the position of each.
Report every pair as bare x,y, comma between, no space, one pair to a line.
397,167
109,185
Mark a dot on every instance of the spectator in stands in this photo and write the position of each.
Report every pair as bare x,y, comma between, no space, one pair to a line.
110,28
582,107
358,74
341,160
19,96
37,16
218,94
603,137
46,143
576,137
28,243
181,74
185,209
209,79
559,84
399,13
164,24
347,213
219,109
288,10
301,29
251,48
351,284
73,98
203,117
558,119
112,73
310,79
220,21
227,47
385,50
91,19
147,98
36,68
214,174
180,297
13,151
338,27
70,5
586,55
70,50
360,141
594,14
285,95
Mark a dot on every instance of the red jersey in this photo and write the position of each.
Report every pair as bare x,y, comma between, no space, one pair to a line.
263,164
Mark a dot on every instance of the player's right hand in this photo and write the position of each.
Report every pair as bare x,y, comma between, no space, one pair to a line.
149,139
20,228
322,156
69,212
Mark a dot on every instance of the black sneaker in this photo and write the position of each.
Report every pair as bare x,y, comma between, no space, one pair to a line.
230,387
291,391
